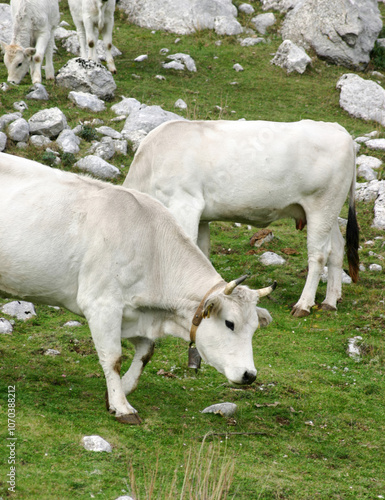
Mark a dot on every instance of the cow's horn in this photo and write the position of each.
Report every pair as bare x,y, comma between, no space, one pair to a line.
230,286
262,292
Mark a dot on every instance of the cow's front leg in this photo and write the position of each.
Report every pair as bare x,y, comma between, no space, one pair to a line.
144,349
106,335
107,40
37,59
49,69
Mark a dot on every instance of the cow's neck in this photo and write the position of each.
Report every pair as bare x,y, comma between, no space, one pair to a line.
22,29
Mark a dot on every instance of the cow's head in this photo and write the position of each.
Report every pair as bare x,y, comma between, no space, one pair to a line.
17,61
228,320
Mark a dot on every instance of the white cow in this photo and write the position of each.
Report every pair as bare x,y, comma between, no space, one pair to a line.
34,23
92,17
118,258
257,172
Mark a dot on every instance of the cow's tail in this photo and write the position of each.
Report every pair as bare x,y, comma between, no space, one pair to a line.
352,231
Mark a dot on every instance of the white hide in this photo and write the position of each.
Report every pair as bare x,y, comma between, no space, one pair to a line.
255,172
92,17
34,22
118,258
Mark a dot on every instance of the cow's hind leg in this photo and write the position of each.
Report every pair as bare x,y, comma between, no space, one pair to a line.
106,334
204,238
335,261
107,40
318,247
144,349
49,68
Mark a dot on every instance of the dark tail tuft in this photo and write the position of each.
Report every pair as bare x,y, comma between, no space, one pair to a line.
352,242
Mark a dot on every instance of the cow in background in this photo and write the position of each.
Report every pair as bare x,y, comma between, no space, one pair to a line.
34,23
257,172
92,17
119,258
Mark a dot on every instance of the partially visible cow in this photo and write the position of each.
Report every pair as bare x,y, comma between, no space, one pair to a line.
92,17
118,258
257,172
34,23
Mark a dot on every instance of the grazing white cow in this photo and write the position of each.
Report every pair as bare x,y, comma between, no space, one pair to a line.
92,17
34,23
257,172
118,258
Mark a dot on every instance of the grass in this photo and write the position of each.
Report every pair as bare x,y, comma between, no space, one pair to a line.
325,437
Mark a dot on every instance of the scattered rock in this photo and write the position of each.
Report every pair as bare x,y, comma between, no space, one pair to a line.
263,21
87,76
346,279
3,141
109,132
237,67
375,267
224,409
362,98
38,92
98,167
271,259
85,100
250,41
20,105
246,8
72,324
291,57
96,443
68,142
126,106
180,104
354,350
261,237
5,325
18,130
49,122
51,352
19,309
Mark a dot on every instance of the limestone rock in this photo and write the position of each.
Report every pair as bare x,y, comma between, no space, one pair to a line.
85,100
291,57
98,167
96,443
19,309
49,122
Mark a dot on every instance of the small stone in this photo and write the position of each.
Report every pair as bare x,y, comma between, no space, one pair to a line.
5,326
96,443
51,352
224,409
72,324
19,309
141,58
180,104
237,67
271,259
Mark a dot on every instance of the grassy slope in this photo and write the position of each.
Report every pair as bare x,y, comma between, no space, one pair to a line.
302,363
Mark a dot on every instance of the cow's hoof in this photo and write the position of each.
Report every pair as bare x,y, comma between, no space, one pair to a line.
328,307
130,419
299,313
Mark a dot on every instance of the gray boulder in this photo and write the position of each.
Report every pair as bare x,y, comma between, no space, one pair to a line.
291,57
8,118
362,98
126,106
263,21
104,149
342,32
68,142
18,131
5,326
185,60
86,76
271,259
38,92
140,122
85,100
183,16
39,141
97,167
19,309
49,122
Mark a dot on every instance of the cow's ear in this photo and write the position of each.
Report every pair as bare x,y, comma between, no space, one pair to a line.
3,46
213,301
30,51
264,316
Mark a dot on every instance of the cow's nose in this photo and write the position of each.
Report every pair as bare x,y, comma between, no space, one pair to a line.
249,377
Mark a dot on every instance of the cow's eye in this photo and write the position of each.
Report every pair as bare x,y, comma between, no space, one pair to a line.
19,65
229,324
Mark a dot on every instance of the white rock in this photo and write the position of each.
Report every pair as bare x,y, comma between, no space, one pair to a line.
96,443
109,131
39,141
224,409
141,58
354,350
160,77
20,106
180,104
68,142
51,352
237,67
38,92
71,324
250,42
104,149
126,106
271,259
86,76
291,57
5,326
18,131
98,167
49,122
263,21
85,100
246,8
366,173
376,144
370,161
184,59
19,309
346,279
362,98
375,267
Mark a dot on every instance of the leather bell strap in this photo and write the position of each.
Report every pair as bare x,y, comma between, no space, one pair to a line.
198,316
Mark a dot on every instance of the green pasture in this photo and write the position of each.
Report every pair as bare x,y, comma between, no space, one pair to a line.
312,426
